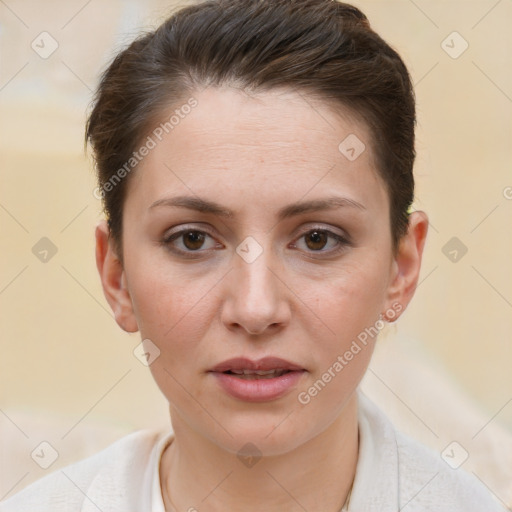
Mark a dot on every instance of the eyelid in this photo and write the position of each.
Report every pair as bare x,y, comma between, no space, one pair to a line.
327,229
185,227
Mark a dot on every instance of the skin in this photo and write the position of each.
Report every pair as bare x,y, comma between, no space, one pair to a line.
298,300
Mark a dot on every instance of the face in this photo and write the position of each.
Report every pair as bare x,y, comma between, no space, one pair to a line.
249,234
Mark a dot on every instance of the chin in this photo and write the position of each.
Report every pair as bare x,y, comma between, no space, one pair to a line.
264,433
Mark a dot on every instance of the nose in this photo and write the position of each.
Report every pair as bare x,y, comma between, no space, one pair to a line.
257,301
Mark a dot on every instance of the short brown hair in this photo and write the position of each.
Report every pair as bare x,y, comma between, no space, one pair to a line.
320,47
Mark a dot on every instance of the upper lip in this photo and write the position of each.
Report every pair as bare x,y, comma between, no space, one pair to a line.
266,363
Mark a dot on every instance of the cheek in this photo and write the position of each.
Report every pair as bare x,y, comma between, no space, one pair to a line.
175,314
168,306
352,301
350,308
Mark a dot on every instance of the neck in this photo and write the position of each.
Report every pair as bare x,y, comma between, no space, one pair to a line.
318,475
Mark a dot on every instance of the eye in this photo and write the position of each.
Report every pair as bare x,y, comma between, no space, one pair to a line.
189,240
321,240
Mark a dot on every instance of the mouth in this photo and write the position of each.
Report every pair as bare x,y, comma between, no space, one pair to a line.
267,367
263,380
257,374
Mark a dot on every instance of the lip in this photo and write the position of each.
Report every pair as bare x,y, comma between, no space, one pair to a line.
257,390
267,363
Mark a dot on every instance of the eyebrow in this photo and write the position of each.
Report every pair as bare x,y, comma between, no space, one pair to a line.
300,207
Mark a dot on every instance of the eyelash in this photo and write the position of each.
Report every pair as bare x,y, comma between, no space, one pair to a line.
342,242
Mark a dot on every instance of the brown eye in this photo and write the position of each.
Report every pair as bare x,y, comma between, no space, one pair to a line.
323,242
316,240
189,241
193,240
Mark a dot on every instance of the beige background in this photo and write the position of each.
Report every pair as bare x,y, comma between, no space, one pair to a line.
64,357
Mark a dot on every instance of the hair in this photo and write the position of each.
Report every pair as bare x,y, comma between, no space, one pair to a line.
321,48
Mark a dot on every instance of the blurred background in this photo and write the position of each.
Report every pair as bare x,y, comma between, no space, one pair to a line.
68,374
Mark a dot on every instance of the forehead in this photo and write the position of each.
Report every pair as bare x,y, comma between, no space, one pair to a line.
276,119
278,140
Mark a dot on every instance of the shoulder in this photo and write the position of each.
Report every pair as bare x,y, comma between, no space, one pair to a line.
428,482
424,480
106,476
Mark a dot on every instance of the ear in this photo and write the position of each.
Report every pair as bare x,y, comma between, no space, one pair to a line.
406,266
113,279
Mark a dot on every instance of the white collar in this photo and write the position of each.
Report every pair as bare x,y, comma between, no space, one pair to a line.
376,482
375,487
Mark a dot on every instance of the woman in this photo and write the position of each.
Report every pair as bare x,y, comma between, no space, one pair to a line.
255,161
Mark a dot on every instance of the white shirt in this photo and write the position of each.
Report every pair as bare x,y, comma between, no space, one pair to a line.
154,490
393,473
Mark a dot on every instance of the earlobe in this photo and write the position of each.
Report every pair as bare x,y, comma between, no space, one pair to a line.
113,279
407,264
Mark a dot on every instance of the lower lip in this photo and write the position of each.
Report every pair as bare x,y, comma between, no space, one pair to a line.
258,390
